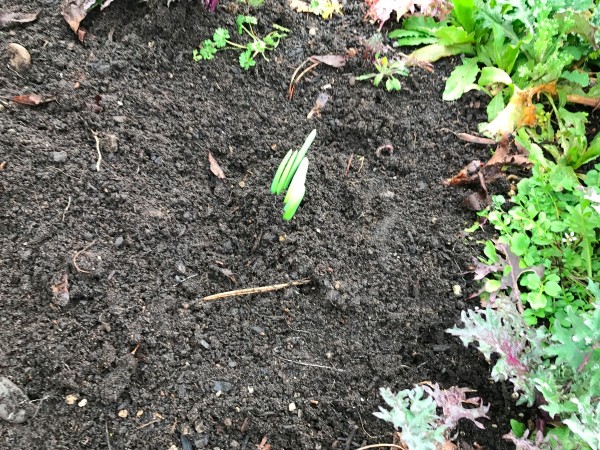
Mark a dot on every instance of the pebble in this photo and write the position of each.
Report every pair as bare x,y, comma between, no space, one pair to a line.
119,241
292,407
12,402
59,157
222,386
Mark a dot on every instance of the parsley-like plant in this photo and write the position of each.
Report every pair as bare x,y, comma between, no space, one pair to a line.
221,40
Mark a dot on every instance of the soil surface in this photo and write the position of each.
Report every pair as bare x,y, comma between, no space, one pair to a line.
135,359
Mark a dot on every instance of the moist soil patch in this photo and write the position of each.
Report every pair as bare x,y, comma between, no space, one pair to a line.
135,359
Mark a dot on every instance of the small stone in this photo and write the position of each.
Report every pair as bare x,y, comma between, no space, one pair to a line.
228,422
457,290
242,184
312,31
204,344
250,390
82,403
292,407
119,241
13,402
71,399
20,59
59,157
222,386
123,414
258,330
180,267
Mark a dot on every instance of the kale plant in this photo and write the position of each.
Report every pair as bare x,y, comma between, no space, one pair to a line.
415,413
556,368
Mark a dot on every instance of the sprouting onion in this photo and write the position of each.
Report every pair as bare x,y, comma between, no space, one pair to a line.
280,170
291,176
296,192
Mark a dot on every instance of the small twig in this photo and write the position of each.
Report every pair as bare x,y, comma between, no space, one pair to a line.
256,290
98,150
185,279
107,436
66,209
348,165
311,365
76,255
294,81
381,445
148,424
350,438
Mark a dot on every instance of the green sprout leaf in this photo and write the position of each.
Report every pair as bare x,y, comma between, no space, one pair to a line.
246,60
207,50
279,172
220,37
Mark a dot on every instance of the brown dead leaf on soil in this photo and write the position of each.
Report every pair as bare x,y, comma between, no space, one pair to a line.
214,167
263,444
31,99
320,103
330,60
60,291
74,11
10,19
492,168
477,172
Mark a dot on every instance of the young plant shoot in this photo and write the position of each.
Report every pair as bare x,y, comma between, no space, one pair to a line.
291,176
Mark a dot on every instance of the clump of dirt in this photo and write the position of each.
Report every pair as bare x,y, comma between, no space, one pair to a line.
109,188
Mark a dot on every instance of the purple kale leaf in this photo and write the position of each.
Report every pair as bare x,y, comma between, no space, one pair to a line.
452,401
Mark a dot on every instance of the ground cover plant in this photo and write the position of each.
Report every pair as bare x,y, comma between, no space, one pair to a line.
135,183
221,41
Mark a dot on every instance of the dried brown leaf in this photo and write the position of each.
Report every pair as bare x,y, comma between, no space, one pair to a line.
9,19
330,60
299,5
321,101
31,99
74,11
60,291
214,167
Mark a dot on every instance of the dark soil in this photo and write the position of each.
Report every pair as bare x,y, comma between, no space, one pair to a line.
382,246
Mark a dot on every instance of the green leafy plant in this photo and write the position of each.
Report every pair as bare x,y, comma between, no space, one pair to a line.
386,70
415,412
550,239
291,176
249,51
519,50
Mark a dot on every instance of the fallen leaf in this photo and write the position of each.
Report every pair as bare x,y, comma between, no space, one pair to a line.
321,101
9,19
31,99
263,444
381,10
74,11
214,167
330,60
299,5
492,169
60,291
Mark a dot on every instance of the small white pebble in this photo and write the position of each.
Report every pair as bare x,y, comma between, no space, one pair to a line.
82,403
292,407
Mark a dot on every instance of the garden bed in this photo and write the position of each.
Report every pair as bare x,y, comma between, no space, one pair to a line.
148,230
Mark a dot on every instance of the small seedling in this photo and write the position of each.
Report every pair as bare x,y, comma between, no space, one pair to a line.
291,175
387,69
249,51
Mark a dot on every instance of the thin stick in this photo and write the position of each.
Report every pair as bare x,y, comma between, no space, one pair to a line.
76,255
348,165
98,150
312,365
66,209
107,436
256,290
148,424
185,279
381,445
